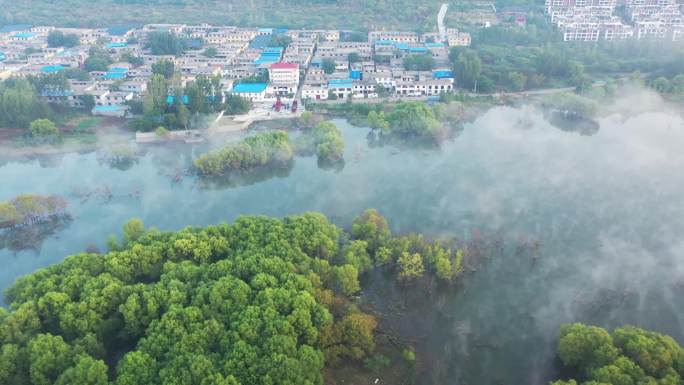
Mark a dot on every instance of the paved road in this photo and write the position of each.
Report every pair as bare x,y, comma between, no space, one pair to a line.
440,21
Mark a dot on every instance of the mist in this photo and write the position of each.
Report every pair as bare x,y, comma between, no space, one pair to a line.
607,210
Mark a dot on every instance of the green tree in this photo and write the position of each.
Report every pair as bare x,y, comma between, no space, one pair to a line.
98,60
164,67
372,228
378,121
210,52
133,230
424,62
328,65
328,141
49,356
586,347
43,128
410,266
413,119
87,371
353,57
467,65
165,43
346,279
516,81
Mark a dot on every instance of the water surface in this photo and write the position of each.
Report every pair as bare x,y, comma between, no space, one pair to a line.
607,209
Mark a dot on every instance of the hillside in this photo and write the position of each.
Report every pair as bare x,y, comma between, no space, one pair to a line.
357,14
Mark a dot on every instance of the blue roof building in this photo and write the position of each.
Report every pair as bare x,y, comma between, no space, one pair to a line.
2,56
418,50
51,69
443,74
340,83
114,75
24,35
119,44
171,99
355,75
249,88
434,45
15,27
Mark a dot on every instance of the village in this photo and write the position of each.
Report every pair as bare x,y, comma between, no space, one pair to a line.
276,69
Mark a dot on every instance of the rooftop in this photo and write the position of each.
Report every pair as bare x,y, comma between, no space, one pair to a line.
249,88
282,66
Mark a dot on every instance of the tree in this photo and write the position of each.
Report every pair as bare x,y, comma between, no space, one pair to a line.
161,132
516,81
87,371
163,67
353,57
328,142
20,104
378,121
413,119
43,128
133,230
210,52
165,43
631,356
351,337
133,60
237,105
328,65
467,65
98,60
49,357
424,62
59,39
660,84
410,266
346,279
585,346
372,228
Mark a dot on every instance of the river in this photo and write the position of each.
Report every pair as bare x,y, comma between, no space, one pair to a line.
607,210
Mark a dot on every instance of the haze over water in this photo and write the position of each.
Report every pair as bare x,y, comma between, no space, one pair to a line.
607,209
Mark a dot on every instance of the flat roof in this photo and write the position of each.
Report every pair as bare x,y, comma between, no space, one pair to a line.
282,65
52,68
24,34
108,108
249,88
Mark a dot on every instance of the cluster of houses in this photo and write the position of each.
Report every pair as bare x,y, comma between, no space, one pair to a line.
298,62
594,20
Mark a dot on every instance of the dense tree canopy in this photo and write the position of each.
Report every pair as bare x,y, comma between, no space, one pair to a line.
628,356
423,62
165,43
413,119
20,103
255,151
246,303
60,39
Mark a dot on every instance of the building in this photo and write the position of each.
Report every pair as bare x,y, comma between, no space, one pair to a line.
255,92
395,36
284,73
457,39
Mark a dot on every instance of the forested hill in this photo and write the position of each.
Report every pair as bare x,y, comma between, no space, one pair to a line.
351,14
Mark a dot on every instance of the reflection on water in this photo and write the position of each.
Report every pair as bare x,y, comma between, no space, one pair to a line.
31,237
606,212
573,123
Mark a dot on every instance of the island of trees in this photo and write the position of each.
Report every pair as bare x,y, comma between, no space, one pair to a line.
263,149
627,356
273,148
261,301
28,209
